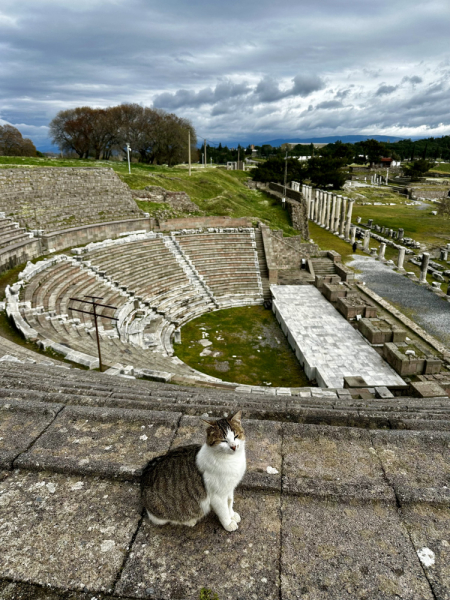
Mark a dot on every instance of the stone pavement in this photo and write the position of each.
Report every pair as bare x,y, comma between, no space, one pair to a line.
429,311
326,345
328,512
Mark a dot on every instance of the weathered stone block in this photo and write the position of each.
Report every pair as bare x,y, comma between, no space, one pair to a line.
243,564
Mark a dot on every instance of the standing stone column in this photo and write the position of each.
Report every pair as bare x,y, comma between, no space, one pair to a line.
333,211
337,215
401,233
353,234
314,203
424,267
342,223
328,213
381,251
349,219
366,240
401,258
322,212
444,254
311,201
317,219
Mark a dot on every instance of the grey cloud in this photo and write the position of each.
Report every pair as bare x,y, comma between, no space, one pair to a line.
415,79
385,90
304,85
183,98
182,56
330,104
268,90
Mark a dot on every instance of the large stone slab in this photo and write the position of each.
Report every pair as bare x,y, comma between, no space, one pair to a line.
416,463
66,532
21,423
110,442
429,528
359,551
263,442
326,345
332,461
176,562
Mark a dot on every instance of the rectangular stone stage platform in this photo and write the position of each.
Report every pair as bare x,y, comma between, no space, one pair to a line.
326,345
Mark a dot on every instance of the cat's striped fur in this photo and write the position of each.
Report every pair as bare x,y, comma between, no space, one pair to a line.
183,485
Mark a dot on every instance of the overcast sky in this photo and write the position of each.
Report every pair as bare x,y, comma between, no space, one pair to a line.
240,70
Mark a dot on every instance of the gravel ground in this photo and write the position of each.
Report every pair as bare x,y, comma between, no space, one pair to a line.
422,306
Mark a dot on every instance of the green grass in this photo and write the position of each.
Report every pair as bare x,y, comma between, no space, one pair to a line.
248,347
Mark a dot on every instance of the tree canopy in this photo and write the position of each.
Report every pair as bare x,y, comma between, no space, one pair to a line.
154,135
13,144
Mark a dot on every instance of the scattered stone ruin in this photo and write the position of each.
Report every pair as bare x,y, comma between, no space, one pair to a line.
179,201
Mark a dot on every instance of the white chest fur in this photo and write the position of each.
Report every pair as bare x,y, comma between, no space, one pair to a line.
221,471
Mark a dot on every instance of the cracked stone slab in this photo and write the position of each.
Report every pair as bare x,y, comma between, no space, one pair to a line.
66,532
416,463
22,422
176,561
359,551
331,461
108,442
429,527
263,441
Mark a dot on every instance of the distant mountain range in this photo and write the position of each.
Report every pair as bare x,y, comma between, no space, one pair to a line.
345,139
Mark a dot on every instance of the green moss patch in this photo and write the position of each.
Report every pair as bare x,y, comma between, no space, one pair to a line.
243,345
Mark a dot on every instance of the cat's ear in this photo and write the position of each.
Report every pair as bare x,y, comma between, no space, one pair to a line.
208,423
237,417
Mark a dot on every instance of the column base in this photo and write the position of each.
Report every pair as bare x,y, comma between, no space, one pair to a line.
341,235
400,269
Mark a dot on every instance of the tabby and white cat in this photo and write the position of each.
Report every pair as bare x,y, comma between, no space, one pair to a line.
183,485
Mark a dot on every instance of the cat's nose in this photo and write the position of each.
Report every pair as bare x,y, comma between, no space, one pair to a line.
233,447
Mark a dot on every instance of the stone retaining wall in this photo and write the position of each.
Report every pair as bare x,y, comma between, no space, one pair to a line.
82,235
199,222
15,255
296,207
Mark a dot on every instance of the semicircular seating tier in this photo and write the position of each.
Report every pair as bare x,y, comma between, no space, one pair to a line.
154,285
53,198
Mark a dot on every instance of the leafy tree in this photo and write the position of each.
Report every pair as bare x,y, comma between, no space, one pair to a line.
374,150
274,168
417,169
324,171
13,144
154,135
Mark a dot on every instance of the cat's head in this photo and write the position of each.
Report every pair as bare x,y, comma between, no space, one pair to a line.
226,435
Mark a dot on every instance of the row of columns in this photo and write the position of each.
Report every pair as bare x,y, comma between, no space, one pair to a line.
334,212
331,211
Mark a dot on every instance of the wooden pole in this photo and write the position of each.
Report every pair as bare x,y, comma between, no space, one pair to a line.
189,151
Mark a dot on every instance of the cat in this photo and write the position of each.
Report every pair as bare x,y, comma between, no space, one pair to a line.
182,486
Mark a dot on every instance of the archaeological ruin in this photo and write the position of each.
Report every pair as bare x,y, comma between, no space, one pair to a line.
346,492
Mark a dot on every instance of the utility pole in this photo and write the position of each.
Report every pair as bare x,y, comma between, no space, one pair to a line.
285,180
189,151
205,154
128,156
94,304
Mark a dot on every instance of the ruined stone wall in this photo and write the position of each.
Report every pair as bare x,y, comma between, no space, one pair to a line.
415,193
55,198
197,222
296,207
179,201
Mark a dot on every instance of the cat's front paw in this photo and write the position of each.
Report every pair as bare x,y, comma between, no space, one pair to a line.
231,526
235,517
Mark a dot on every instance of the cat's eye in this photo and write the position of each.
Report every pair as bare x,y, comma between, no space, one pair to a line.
235,436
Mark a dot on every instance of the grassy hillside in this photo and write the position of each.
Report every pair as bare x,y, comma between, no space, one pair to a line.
215,191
